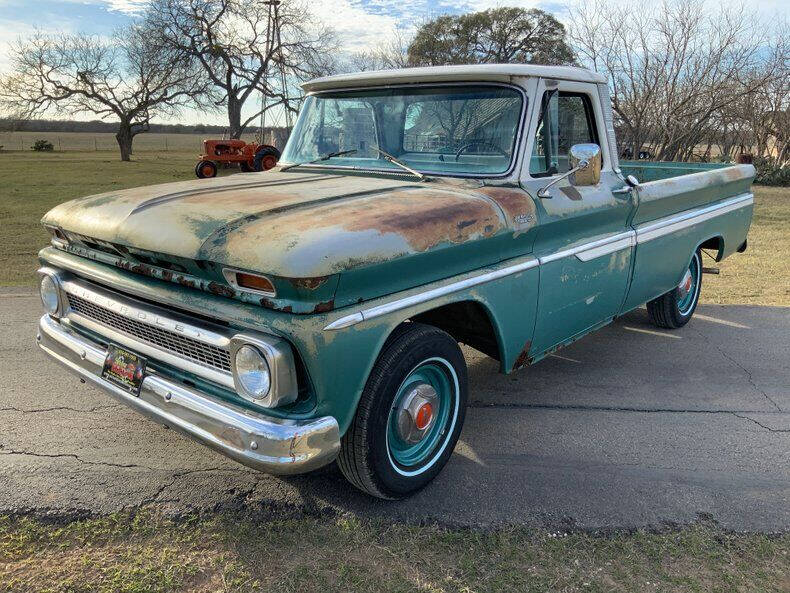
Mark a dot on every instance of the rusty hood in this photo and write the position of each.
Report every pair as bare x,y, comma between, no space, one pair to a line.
294,225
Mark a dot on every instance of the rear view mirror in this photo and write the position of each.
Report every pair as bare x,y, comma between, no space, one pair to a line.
590,174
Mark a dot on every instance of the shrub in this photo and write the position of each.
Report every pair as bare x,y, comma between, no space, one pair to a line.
43,145
770,174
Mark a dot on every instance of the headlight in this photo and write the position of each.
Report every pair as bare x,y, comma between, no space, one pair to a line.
50,295
252,372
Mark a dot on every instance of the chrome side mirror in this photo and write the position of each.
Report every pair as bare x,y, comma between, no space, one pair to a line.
591,154
585,163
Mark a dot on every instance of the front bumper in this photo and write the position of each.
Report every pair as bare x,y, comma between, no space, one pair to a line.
268,444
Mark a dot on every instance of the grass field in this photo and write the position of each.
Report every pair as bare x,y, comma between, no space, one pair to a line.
104,142
33,183
143,553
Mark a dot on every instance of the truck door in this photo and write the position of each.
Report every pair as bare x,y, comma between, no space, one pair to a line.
584,240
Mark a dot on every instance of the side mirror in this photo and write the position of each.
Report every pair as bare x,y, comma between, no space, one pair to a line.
585,168
591,174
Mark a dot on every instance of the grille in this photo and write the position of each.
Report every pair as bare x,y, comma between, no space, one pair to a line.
189,348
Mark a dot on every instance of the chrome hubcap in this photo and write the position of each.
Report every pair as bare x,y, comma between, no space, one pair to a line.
417,412
685,285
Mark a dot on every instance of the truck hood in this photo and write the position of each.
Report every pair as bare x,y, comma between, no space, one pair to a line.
294,225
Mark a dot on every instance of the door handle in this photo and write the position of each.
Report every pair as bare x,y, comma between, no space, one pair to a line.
624,193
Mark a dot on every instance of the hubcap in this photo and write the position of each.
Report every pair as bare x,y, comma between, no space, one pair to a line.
422,416
416,413
688,287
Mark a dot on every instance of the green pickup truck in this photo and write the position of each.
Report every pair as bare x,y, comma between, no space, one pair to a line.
313,313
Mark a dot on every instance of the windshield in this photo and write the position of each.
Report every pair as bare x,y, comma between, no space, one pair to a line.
446,130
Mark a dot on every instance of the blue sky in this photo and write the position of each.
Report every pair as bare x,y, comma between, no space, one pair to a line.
359,23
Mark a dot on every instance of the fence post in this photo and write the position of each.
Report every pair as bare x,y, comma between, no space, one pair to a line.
95,145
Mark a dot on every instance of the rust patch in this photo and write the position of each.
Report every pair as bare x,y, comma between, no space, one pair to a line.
516,203
185,282
270,304
324,307
308,283
167,275
221,289
523,357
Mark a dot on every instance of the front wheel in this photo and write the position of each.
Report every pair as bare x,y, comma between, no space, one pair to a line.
206,169
674,308
409,416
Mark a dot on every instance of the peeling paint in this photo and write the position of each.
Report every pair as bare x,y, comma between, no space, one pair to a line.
523,358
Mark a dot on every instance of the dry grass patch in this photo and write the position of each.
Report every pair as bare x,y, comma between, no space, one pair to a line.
239,553
761,275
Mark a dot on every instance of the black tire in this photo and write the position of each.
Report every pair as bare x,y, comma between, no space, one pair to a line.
665,311
263,158
364,457
245,167
206,169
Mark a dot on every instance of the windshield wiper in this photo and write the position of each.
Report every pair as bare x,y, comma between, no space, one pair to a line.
388,157
324,157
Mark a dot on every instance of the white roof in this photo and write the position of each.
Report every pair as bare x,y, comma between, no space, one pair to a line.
475,72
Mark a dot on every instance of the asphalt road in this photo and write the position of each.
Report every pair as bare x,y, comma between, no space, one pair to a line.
630,427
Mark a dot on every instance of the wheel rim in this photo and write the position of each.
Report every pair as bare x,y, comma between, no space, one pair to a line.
207,170
432,377
269,162
689,287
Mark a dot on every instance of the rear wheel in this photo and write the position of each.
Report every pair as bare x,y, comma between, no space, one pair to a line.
265,158
410,415
674,308
205,169
245,167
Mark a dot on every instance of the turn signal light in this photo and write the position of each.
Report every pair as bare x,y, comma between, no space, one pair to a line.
254,282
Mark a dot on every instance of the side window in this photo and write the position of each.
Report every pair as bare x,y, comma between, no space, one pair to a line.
565,119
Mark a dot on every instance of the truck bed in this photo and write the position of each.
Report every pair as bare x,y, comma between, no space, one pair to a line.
646,171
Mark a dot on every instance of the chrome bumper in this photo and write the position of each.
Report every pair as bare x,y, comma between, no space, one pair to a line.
264,443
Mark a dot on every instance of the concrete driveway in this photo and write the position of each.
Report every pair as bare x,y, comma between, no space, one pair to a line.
629,427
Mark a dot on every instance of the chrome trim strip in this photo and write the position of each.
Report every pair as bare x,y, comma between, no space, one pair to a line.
264,443
676,222
422,297
596,248
584,252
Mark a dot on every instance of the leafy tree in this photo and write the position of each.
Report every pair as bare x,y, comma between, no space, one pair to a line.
498,35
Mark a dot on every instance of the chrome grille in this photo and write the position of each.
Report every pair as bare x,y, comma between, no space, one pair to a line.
189,348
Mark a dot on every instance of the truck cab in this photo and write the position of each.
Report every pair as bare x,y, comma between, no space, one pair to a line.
313,313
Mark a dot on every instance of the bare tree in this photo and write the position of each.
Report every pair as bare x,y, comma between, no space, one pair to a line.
234,43
125,77
390,54
673,68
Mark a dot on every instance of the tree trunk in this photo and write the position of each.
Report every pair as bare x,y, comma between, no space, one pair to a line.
125,138
234,117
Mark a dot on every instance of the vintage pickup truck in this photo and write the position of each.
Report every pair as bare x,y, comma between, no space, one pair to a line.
314,312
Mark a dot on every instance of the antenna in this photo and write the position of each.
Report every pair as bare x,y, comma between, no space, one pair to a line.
273,36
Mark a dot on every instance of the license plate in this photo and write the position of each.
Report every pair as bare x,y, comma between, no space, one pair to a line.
125,369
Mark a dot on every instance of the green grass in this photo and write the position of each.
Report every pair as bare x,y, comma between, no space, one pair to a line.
145,553
33,183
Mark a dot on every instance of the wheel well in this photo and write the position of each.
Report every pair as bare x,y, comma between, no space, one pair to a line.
467,322
714,243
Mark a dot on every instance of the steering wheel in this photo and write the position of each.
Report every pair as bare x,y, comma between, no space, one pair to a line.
488,143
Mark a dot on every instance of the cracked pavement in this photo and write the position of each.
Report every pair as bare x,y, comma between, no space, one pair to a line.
629,427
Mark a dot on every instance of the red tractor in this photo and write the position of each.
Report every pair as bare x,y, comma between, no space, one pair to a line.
250,157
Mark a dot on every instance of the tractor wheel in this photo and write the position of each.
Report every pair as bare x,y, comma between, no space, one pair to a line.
205,169
266,158
245,167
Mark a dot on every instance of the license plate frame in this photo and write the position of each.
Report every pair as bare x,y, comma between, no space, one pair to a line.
124,368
